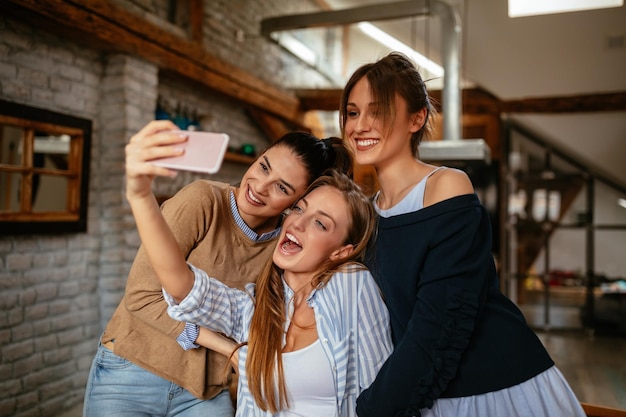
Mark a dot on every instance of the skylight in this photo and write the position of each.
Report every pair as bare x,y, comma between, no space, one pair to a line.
520,8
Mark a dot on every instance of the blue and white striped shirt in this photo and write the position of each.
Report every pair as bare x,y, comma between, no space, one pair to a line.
187,338
351,318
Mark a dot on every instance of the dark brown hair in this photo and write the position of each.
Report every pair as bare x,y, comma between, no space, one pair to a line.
317,155
391,75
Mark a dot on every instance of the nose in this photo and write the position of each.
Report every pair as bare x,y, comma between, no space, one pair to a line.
299,222
263,185
362,123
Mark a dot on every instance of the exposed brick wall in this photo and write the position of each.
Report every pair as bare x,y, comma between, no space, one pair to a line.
48,300
255,54
58,292
129,92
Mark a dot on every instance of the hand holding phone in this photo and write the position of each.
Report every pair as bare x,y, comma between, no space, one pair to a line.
203,152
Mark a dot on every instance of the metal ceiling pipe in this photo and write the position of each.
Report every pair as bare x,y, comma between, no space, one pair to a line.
451,31
451,51
452,147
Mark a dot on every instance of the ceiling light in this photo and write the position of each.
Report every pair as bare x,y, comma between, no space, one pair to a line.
395,45
521,8
622,202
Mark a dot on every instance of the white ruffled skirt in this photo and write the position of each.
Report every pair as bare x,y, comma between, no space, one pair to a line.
546,395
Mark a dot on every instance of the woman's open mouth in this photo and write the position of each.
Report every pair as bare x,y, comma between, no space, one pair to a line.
290,244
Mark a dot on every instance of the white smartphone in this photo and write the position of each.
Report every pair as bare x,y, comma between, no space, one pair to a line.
204,152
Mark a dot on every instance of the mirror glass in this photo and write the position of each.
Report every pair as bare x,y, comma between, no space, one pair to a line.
44,170
51,152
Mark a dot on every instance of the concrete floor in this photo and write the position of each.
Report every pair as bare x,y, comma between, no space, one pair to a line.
594,365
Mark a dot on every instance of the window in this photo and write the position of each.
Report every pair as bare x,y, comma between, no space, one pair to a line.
44,170
521,8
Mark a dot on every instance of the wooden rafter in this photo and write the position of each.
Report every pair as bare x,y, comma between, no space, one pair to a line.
272,126
109,27
586,103
478,101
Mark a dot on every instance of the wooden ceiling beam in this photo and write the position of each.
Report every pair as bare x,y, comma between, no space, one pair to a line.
478,101
196,18
475,101
319,99
273,127
101,23
585,103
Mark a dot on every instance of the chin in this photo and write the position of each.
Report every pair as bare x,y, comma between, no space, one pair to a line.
365,160
280,261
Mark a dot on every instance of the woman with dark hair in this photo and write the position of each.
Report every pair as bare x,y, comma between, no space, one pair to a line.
461,348
229,231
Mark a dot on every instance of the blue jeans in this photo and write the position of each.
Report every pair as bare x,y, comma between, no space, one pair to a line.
117,387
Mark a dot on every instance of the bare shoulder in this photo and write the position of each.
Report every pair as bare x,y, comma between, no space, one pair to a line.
445,184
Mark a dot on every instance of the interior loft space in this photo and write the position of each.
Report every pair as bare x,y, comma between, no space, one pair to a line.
564,237
546,93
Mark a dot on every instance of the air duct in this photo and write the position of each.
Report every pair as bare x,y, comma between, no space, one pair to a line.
452,147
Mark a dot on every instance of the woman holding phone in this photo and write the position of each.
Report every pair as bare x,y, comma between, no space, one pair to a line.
229,231
314,328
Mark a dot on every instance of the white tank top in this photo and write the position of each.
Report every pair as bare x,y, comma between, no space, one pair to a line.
310,383
411,202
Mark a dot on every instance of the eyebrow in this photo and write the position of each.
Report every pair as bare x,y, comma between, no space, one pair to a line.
370,104
285,183
321,212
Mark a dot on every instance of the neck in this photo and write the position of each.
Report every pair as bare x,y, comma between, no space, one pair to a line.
301,286
264,225
302,293
397,179
301,314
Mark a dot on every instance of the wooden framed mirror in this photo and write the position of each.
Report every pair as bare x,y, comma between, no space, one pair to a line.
44,170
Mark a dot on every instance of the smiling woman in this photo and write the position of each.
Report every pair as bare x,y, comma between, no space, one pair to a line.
313,302
44,170
228,231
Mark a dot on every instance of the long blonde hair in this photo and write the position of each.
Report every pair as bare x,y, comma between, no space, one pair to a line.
264,362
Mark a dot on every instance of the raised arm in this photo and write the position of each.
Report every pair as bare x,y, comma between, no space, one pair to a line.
152,142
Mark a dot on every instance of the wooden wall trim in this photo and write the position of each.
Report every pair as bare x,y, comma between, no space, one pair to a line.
107,26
